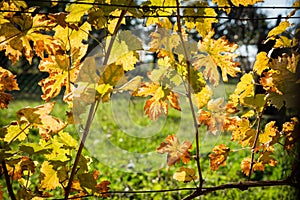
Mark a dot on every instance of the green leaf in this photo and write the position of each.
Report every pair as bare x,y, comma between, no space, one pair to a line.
34,148
88,182
258,101
132,41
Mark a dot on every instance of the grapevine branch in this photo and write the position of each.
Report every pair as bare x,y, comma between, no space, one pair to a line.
190,97
92,111
7,180
259,117
245,185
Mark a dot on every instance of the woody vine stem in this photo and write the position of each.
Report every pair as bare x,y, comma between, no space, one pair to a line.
188,65
92,111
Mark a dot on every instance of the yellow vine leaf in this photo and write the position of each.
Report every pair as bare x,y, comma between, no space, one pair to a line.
16,131
59,150
227,3
202,25
279,29
48,178
267,82
175,150
123,50
157,104
163,39
219,156
163,11
109,78
40,118
112,23
261,63
11,6
257,102
244,88
248,138
71,38
266,159
16,42
216,53
7,83
201,98
60,74
283,41
270,135
242,132
185,174
96,17
76,11
224,4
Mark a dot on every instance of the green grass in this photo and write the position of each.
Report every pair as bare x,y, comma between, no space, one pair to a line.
123,125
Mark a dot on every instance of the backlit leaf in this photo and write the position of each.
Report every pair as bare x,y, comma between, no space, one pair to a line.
48,177
185,175
78,10
217,53
16,41
40,118
155,108
270,134
175,151
261,62
219,156
245,166
60,74
201,98
265,158
244,88
214,118
16,131
279,29
7,83
34,148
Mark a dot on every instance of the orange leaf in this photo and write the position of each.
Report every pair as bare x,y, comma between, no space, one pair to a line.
290,131
154,109
219,156
245,165
219,54
103,188
7,83
175,150
173,99
40,118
